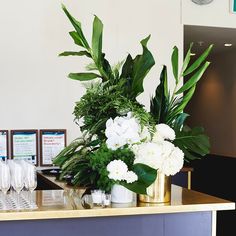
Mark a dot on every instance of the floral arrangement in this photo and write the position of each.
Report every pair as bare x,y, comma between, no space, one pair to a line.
122,142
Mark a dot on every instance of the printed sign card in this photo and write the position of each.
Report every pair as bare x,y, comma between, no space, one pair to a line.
51,143
24,145
3,144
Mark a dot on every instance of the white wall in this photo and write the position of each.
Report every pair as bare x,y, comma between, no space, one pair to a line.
35,92
215,14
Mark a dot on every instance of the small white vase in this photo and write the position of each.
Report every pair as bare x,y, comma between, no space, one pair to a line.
120,194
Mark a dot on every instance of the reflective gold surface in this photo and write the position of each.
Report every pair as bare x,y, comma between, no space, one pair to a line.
159,191
56,204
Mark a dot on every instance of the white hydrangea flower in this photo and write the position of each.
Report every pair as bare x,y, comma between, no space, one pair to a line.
148,154
121,131
145,134
115,142
117,170
173,161
163,156
131,177
163,132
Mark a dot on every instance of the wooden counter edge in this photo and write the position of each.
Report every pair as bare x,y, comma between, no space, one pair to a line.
109,212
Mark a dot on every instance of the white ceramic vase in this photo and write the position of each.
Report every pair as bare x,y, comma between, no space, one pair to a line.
120,194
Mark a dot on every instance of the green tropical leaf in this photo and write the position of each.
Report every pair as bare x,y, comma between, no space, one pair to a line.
83,76
97,40
142,64
77,25
187,59
145,41
193,142
194,79
77,40
175,63
159,103
127,68
180,105
146,176
71,53
135,187
199,61
179,121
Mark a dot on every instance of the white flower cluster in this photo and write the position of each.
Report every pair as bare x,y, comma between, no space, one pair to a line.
118,171
159,153
124,130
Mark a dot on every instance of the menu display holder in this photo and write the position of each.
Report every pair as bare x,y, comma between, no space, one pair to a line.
24,145
4,144
52,141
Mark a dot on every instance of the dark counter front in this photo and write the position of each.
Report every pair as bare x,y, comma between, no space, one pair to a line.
179,224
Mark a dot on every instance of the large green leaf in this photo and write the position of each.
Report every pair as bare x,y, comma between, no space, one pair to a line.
193,142
175,63
83,76
142,64
180,105
97,40
75,36
194,79
187,59
159,103
146,176
71,53
179,121
199,61
77,26
127,68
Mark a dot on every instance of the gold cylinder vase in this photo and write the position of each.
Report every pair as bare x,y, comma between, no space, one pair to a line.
159,191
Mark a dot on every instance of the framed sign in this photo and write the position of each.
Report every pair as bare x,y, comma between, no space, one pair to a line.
4,144
24,145
52,141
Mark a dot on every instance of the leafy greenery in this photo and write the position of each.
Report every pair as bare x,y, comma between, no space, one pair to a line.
112,91
101,102
169,109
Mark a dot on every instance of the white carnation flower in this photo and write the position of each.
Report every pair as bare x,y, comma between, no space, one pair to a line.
172,163
163,132
130,177
167,148
117,170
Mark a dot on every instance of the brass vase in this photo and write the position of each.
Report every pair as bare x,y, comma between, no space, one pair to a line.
159,191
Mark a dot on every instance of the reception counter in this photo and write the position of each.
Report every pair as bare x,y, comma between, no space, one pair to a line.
60,212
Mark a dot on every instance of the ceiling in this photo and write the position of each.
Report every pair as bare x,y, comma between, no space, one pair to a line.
203,36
